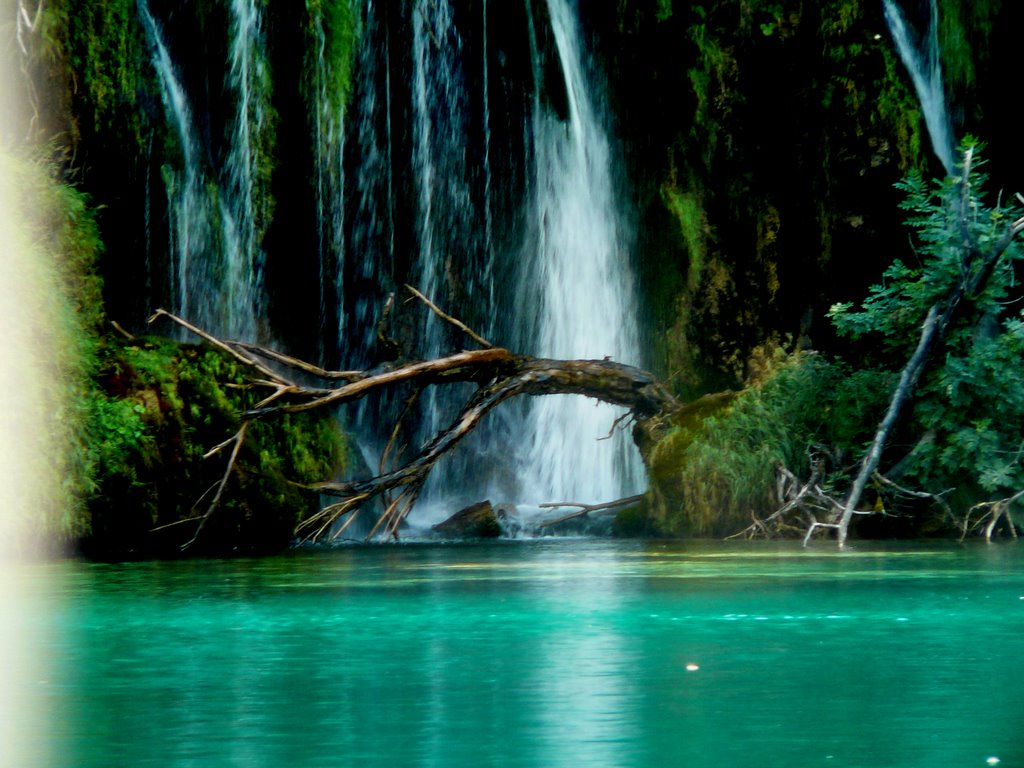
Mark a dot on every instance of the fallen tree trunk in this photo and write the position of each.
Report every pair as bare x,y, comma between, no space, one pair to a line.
499,375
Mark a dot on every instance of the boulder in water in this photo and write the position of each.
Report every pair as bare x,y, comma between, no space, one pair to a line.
477,521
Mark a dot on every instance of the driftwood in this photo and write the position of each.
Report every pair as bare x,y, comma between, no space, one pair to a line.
498,373
992,513
582,510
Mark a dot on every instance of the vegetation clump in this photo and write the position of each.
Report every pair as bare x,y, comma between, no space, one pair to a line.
718,467
948,454
157,416
118,434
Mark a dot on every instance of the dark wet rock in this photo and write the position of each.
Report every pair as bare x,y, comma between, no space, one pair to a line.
477,521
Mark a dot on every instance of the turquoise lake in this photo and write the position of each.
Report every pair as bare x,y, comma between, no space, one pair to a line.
534,653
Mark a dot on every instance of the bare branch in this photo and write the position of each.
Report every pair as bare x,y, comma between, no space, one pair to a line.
449,319
297,364
585,509
239,438
223,346
499,375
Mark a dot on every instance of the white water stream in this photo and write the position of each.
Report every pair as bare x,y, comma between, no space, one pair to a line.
924,64
576,287
216,263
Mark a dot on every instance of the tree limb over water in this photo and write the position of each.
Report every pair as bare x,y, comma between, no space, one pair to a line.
498,373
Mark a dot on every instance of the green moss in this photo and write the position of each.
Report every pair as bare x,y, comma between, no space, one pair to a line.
709,77
332,34
159,409
718,466
897,109
689,214
964,30
103,46
49,254
263,121
633,522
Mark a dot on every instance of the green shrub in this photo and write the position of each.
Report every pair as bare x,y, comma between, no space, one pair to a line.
714,474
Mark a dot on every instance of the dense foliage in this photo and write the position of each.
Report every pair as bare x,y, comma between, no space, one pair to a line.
970,407
963,438
718,468
126,425
159,409
50,245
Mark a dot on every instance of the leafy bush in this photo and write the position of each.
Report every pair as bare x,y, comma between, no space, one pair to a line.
722,468
965,427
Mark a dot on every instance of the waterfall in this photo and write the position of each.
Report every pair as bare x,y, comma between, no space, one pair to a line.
449,158
328,125
187,209
576,285
553,280
243,255
449,238
215,258
923,62
370,253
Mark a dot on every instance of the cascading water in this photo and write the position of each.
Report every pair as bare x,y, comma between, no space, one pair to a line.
576,287
369,205
186,193
923,62
556,281
444,201
215,260
447,167
243,257
328,125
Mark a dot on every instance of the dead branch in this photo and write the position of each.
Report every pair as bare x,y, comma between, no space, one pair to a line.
293,362
603,379
464,366
793,496
936,498
449,319
499,375
585,509
994,511
224,346
239,438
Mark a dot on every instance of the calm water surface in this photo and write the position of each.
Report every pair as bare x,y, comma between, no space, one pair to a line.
538,653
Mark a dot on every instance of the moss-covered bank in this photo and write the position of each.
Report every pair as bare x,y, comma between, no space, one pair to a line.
108,441
158,410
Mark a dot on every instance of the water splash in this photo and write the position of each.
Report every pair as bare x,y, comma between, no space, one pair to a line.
924,64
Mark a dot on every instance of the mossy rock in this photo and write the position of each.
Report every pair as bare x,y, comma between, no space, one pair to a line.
634,522
665,456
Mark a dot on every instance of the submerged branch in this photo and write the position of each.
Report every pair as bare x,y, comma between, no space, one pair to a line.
585,509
